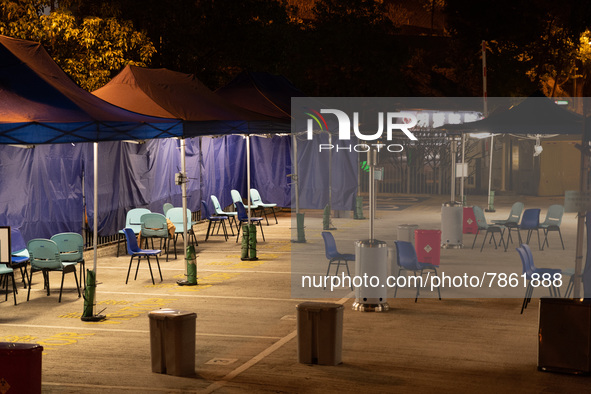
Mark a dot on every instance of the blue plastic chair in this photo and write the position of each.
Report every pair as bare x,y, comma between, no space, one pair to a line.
220,212
46,257
71,247
530,221
5,273
552,223
490,229
406,258
333,255
19,254
255,199
175,215
243,218
132,221
215,220
135,251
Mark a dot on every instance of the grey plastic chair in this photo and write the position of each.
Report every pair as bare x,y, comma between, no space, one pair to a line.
512,222
552,223
489,228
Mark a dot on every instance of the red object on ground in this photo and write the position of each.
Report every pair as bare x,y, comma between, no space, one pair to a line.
20,365
469,224
428,246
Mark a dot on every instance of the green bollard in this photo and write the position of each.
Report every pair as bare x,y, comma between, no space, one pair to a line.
191,266
326,218
89,292
244,245
491,202
300,224
89,299
252,242
191,260
358,212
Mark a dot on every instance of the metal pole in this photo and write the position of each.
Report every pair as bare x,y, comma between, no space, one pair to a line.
83,207
95,207
453,169
581,215
372,191
294,177
463,164
329,177
248,175
485,105
184,200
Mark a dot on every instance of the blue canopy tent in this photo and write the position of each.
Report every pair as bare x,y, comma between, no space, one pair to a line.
40,104
165,92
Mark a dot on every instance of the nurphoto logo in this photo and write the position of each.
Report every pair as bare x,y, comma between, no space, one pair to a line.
394,121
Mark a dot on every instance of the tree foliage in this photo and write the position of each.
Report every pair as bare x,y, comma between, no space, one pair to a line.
91,50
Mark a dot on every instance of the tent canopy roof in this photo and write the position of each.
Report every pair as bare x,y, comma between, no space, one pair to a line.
163,92
536,114
39,103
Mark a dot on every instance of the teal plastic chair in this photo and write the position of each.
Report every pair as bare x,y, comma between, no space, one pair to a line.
71,247
154,225
552,223
46,257
255,199
220,212
166,207
236,197
5,273
132,221
19,254
175,215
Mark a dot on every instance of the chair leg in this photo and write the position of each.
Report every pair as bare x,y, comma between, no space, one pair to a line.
30,279
261,226
238,235
62,286
208,229
129,269
158,264
137,267
539,245
560,235
273,210
474,242
150,267
13,287
483,241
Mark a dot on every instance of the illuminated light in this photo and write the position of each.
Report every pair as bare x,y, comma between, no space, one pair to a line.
561,102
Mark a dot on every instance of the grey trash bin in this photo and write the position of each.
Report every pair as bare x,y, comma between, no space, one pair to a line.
406,232
320,333
172,341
